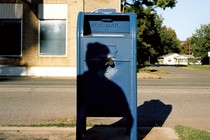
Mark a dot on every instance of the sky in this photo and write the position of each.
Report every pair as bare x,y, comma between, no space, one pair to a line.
186,17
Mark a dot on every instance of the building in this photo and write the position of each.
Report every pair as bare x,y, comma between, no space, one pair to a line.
38,37
174,59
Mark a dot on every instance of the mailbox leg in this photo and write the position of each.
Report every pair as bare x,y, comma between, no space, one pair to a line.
129,124
133,130
81,128
131,127
81,124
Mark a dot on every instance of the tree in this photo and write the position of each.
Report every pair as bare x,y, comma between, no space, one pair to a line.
169,41
200,42
186,46
150,3
150,30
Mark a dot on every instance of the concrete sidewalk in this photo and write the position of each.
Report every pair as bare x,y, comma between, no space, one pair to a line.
97,133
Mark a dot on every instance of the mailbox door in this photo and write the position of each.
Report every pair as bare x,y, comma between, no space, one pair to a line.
121,51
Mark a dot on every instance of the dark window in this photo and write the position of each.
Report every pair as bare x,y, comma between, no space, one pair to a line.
10,37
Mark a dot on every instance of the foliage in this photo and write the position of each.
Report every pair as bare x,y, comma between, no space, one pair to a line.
200,43
169,41
186,46
153,39
187,133
152,3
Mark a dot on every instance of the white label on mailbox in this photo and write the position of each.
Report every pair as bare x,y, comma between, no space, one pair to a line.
112,51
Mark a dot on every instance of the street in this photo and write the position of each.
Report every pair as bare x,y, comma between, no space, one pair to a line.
181,97
187,91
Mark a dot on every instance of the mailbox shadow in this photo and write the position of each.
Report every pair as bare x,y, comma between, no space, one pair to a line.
98,96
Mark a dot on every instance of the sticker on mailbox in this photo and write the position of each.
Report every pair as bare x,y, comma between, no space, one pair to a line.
113,51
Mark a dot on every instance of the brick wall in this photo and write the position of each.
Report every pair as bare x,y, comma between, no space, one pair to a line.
91,5
30,55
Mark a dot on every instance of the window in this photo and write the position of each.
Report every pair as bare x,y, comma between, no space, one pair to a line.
52,37
11,29
10,36
52,29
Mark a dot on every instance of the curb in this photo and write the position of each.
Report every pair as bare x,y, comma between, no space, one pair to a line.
58,133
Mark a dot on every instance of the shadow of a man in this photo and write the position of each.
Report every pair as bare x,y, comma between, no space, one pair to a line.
98,96
151,114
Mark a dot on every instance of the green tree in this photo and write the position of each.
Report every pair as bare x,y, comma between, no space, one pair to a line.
200,42
151,3
148,37
186,46
151,34
169,41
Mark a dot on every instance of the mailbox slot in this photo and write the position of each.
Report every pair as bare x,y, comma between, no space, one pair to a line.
106,25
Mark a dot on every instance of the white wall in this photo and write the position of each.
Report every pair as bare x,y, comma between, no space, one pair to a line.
37,71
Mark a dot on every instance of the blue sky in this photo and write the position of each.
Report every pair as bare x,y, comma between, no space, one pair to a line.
186,17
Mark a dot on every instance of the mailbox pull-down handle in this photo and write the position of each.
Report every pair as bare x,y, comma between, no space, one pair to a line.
107,20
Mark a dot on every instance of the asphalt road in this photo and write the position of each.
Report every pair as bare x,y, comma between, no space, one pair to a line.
188,93
181,97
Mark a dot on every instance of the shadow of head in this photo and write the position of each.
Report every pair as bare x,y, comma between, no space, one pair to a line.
96,56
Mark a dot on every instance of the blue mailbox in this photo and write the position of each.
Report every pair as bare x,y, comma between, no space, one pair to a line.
106,74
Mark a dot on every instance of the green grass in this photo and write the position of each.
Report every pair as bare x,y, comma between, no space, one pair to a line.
187,133
199,67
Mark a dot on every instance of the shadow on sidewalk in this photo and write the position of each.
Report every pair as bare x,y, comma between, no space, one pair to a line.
151,114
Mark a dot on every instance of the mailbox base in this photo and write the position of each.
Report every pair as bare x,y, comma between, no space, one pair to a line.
103,131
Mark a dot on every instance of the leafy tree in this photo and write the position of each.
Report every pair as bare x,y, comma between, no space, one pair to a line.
153,39
148,36
200,42
151,3
169,41
186,46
